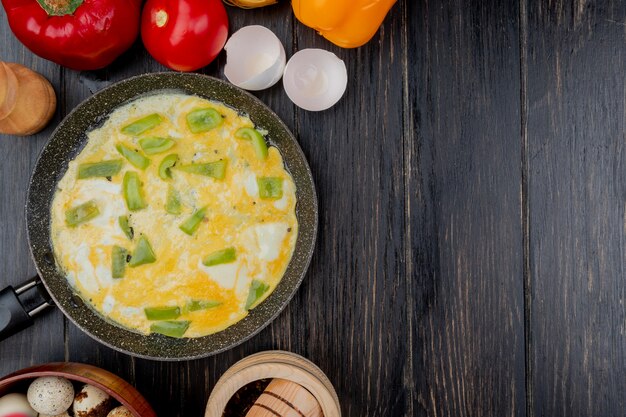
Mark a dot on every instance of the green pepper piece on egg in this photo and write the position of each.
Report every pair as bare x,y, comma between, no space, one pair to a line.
134,157
154,145
82,213
165,167
162,313
99,169
270,187
143,253
192,223
125,226
172,201
142,125
196,305
215,169
224,256
133,191
257,289
170,328
118,261
258,141
203,120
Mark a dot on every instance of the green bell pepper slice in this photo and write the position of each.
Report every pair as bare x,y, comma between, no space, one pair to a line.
81,214
224,256
196,305
134,157
203,120
270,187
172,201
133,191
257,289
142,125
258,141
99,169
154,145
143,253
125,226
165,167
118,261
162,313
192,223
170,328
215,169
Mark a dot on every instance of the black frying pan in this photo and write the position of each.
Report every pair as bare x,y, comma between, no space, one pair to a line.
65,143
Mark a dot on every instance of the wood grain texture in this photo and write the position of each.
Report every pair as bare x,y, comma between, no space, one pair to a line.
472,216
18,156
577,189
463,167
355,151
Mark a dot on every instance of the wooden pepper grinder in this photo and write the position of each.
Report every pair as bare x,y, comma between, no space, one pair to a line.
27,100
285,399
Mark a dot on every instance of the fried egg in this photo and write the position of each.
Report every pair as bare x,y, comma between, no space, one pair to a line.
203,281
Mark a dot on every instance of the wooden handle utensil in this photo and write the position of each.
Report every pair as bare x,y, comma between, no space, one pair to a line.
285,399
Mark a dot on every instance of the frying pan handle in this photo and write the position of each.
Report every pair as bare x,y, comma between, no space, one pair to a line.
13,314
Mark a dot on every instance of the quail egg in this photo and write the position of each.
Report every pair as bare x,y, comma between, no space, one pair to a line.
16,405
120,411
50,395
92,402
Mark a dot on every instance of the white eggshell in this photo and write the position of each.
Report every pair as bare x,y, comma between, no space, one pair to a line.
255,58
12,404
58,415
315,79
91,402
50,395
120,411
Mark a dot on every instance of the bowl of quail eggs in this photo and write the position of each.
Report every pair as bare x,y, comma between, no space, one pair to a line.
66,389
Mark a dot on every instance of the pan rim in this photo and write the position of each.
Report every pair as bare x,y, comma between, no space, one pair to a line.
307,255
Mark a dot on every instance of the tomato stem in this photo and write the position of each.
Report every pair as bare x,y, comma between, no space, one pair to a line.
60,7
161,18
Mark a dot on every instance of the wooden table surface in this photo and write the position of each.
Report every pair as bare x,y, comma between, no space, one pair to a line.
472,242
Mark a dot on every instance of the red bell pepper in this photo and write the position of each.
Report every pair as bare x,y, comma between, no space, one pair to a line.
78,34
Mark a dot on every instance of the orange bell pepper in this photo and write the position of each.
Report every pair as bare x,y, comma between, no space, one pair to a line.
346,23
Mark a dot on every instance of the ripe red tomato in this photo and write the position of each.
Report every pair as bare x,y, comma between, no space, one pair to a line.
184,35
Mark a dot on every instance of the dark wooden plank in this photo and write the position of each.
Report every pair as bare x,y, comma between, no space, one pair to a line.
351,315
577,160
464,251
44,341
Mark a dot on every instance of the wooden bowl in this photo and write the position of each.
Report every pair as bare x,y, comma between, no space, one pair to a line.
112,384
274,364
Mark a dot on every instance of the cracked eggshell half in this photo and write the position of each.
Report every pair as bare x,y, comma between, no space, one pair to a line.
255,58
315,79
